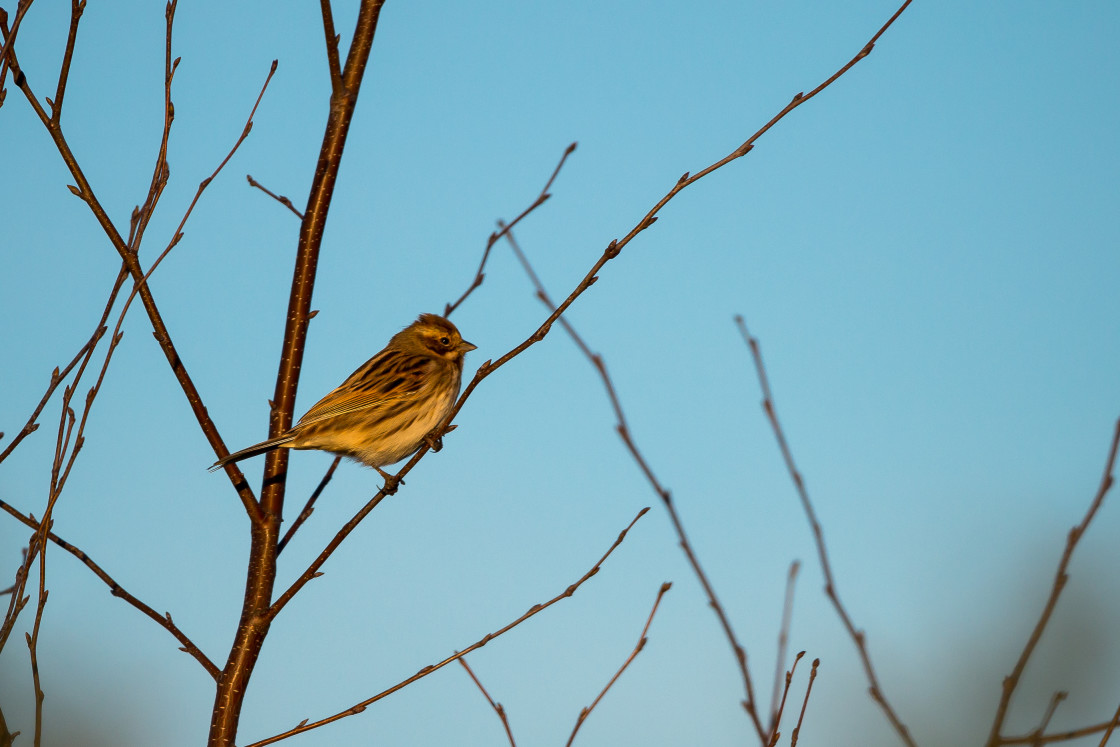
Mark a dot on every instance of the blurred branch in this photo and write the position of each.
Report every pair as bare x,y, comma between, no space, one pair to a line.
1076,533
584,713
536,608
1111,727
1040,730
309,507
279,198
783,641
496,706
1034,739
164,621
857,636
623,430
495,236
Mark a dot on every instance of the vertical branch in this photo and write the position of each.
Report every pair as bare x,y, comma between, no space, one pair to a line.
818,537
783,641
332,47
261,574
77,7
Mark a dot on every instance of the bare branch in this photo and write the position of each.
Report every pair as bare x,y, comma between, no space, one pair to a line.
77,7
623,430
584,713
775,735
495,705
279,198
85,192
805,702
119,591
783,641
58,377
494,237
1060,577
332,48
266,517
857,636
309,506
536,608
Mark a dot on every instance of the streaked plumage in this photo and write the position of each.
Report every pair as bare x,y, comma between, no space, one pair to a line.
384,410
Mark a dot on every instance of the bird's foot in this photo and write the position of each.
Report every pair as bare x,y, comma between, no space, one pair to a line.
434,442
391,481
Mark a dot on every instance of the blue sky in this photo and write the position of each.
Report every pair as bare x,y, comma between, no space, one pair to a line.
928,252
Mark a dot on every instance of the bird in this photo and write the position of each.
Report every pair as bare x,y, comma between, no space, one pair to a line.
386,409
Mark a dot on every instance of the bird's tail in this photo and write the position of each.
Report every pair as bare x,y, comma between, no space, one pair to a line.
252,451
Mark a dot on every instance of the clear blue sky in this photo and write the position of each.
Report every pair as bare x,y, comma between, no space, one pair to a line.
929,252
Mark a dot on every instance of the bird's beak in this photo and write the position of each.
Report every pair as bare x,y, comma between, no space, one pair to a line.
466,347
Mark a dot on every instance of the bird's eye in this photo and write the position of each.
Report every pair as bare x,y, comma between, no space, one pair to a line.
444,341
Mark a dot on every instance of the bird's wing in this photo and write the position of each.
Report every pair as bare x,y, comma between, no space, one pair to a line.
389,377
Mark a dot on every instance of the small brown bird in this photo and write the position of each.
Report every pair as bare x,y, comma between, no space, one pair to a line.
385,410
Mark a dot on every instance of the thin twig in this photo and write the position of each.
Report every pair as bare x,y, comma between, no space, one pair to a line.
1111,727
775,735
77,7
1066,736
161,172
57,377
585,712
493,704
623,429
805,702
279,198
536,608
84,191
309,506
857,636
7,50
1060,577
1040,730
783,641
164,621
495,236
332,48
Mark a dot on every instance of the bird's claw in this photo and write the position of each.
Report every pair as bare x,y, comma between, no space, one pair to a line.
434,442
391,481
